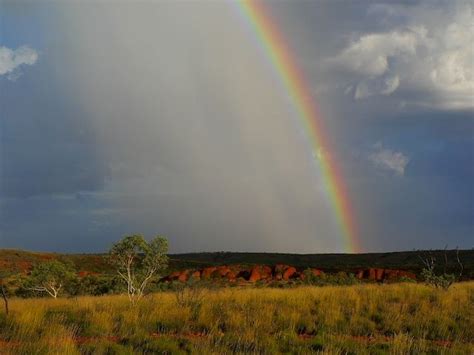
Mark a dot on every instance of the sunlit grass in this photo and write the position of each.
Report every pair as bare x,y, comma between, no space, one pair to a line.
395,318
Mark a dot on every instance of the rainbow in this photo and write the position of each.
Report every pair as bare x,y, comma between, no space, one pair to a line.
284,64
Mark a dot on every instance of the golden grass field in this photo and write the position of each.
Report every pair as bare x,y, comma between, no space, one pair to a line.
368,318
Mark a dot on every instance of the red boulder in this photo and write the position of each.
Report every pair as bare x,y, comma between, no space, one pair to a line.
184,276
255,274
196,275
207,272
289,273
317,272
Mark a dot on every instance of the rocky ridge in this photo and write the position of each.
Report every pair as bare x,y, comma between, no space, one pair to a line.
278,272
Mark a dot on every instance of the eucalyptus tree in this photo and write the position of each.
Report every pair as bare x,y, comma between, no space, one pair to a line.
50,277
138,261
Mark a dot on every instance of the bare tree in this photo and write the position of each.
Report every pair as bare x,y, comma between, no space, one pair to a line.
461,266
138,261
428,260
4,295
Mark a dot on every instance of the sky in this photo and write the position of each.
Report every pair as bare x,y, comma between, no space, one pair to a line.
166,118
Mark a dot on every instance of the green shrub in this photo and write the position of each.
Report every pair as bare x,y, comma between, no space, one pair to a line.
443,281
341,278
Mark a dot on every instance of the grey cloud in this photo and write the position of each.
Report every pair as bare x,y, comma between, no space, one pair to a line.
47,147
380,86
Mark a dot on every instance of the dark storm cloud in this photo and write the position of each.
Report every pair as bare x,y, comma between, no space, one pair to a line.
47,147
169,126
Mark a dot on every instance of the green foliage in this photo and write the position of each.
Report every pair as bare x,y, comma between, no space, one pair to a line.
138,261
96,285
443,281
406,279
51,271
439,280
134,250
341,278
51,277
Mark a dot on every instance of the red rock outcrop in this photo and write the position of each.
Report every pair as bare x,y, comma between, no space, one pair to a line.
267,272
173,276
231,276
289,273
243,274
391,274
184,276
279,270
255,275
260,272
317,272
380,275
207,272
284,272
223,270
407,274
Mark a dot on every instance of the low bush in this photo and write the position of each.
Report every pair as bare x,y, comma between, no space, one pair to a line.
341,278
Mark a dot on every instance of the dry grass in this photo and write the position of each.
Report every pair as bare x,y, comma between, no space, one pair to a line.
396,319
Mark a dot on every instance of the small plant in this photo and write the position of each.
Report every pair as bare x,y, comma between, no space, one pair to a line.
189,296
443,280
138,261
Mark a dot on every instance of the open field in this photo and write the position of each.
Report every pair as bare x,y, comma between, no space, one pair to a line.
368,318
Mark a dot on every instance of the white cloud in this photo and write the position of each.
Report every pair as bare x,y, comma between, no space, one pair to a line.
369,55
378,86
388,159
12,59
425,50
390,85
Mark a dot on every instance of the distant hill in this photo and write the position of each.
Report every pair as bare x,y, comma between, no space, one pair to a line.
21,261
